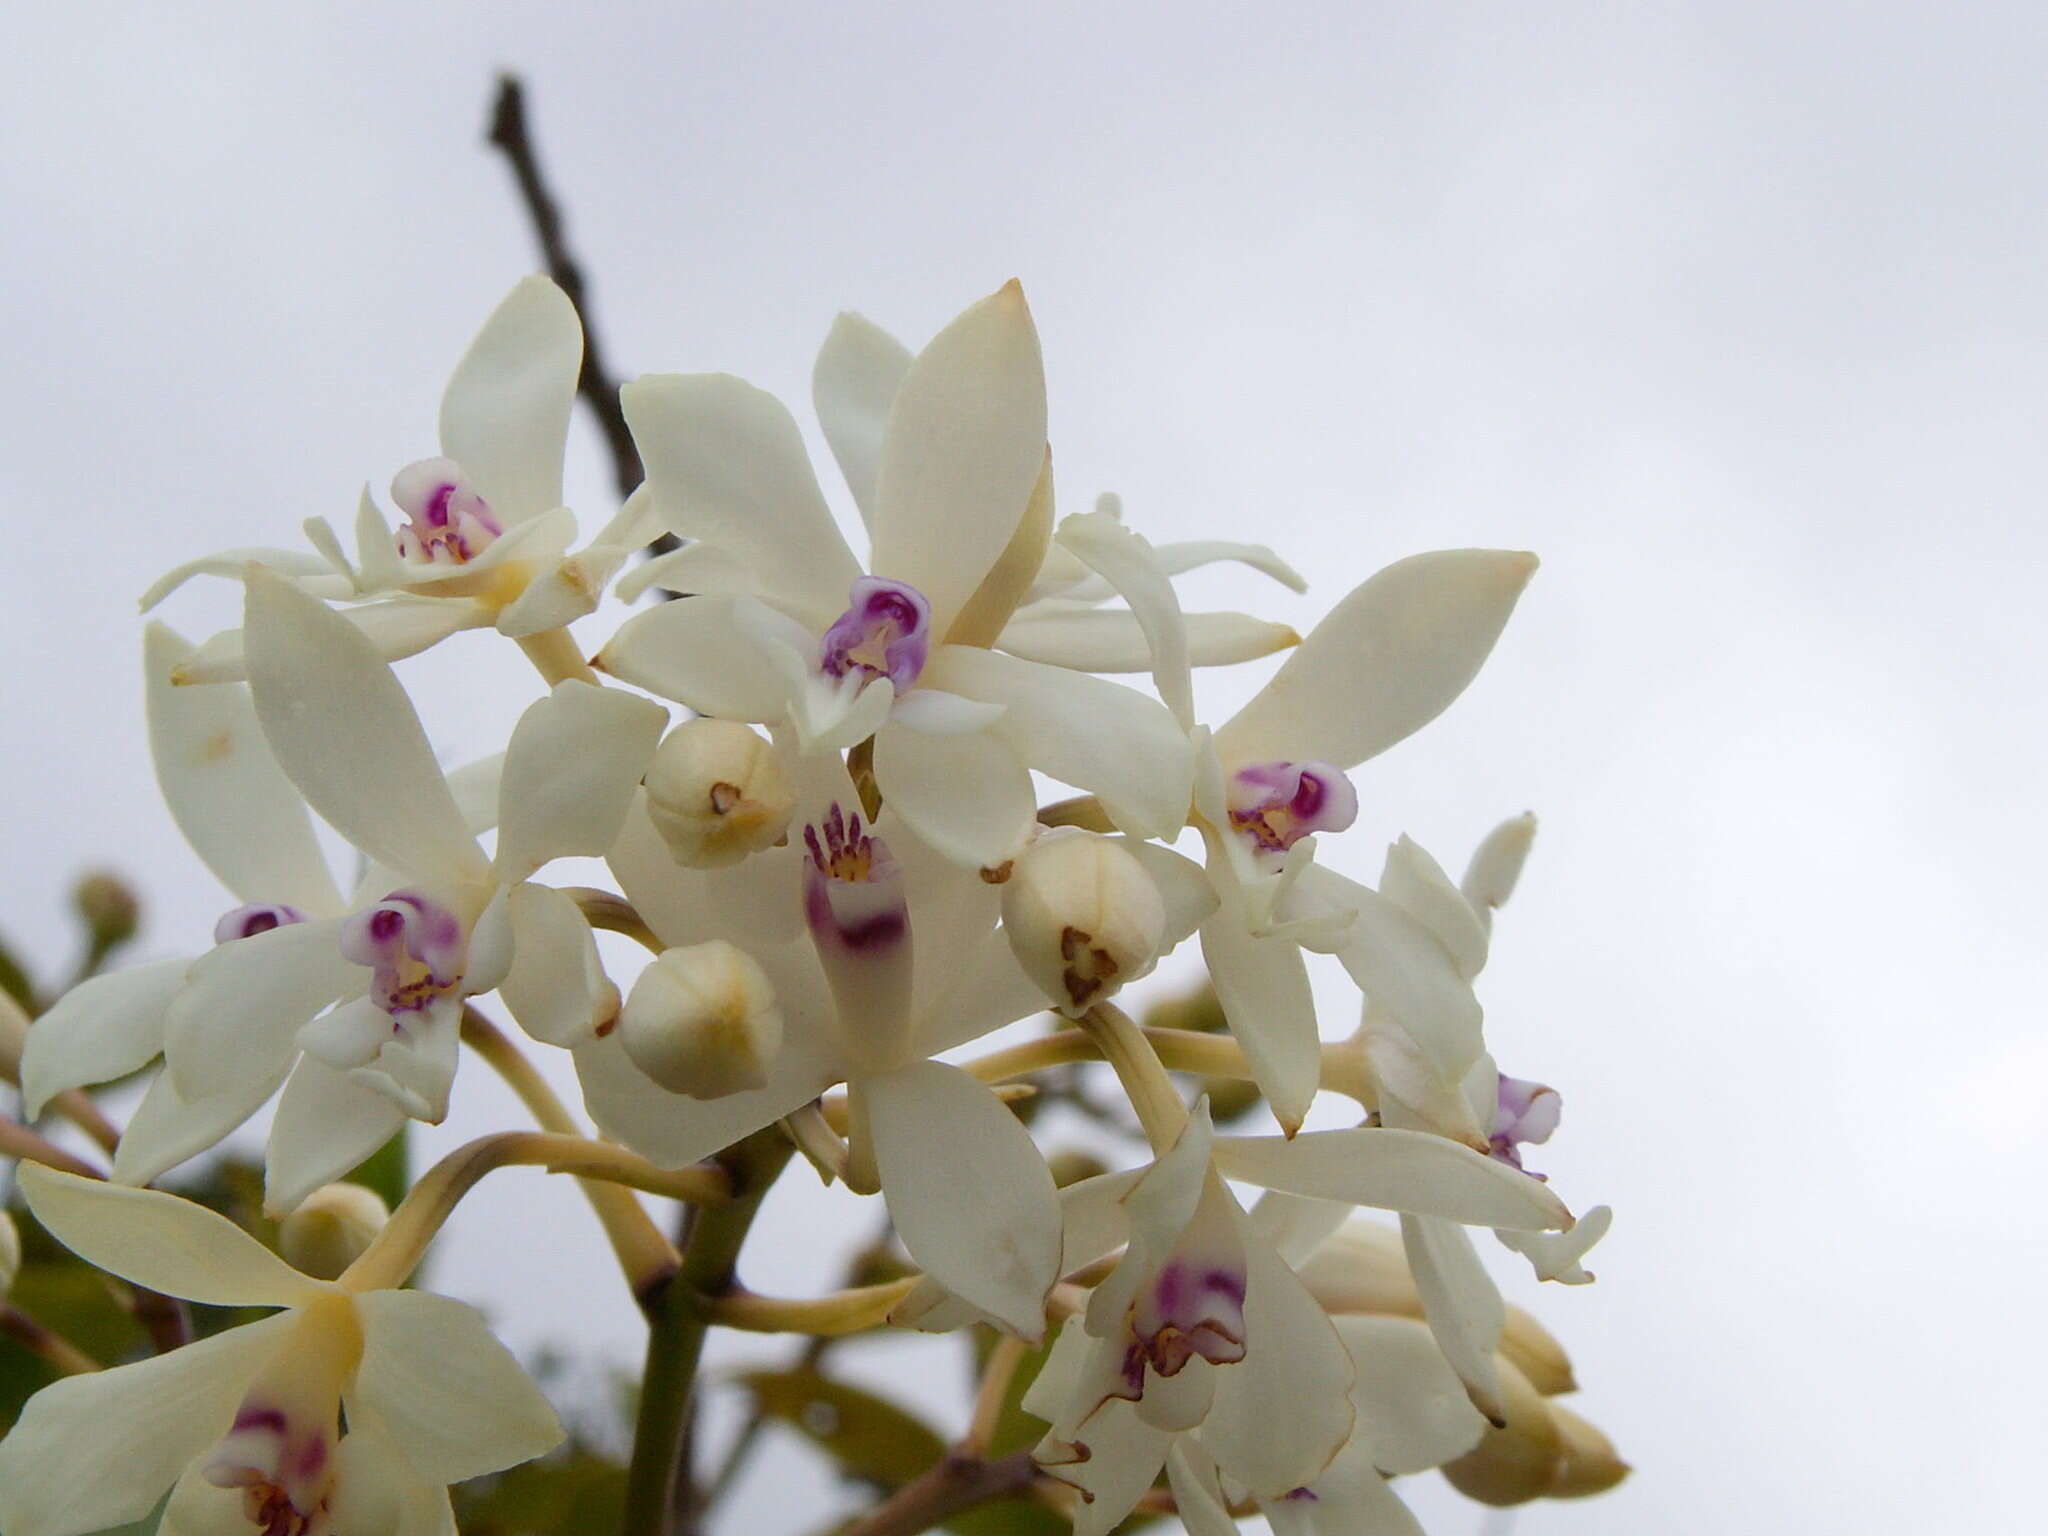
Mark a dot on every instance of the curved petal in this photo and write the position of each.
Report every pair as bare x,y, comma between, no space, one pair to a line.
1101,737
556,988
326,1124
347,736
853,384
696,652
101,1029
1464,1308
505,413
453,1396
1128,563
727,465
967,795
1349,1499
225,791
377,1490
1412,1410
1183,887
667,1128
1197,1496
1262,983
1385,662
1113,1463
1556,1255
1394,1171
168,1128
1192,554
695,570
162,1242
968,1191
573,763
407,624
1113,640
98,1450
1417,884
243,1002
961,453
314,571
475,788
1497,864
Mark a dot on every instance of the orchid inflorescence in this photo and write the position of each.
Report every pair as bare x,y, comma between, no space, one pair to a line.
815,781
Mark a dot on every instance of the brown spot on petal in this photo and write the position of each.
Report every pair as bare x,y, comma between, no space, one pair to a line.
999,874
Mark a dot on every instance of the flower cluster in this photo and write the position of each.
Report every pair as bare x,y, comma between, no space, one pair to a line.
815,779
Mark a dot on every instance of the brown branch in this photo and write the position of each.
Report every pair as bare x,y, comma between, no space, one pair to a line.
597,384
944,1489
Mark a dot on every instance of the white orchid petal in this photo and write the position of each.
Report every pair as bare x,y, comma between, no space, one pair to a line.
970,1195
475,788
1556,1255
378,568
377,1490
961,453
1296,1225
853,384
1129,564
99,1450
1349,1499
695,652
1463,1306
701,569
1183,886
309,569
556,988
1416,883
505,413
224,789
1263,986
727,464
1101,737
243,1002
1413,1413
162,1242
326,1124
574,761
1395,1171
101,1029
1112,640
1497,864
1385,662
1124,1455
166,1128
939,713
346,734
966,795
453,1396
1192,554
1197,1496
632,1108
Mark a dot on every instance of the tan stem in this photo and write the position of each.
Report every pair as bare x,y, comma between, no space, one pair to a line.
18,1141
990,1396
614,914
824,1317
556,656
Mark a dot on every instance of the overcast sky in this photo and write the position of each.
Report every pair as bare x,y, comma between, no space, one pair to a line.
1733,313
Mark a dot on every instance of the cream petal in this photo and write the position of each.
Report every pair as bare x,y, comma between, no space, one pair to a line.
1296,1225
1464,1309
1413,1413
1197,1496
574,761
1124,1456
311,570
326,1124
969,991
1385,662
853,384
695,652
346,735
556,988
1417,884
727,464
453,1396
167,1128
98,1450
961,453
967,1189
1101,737
632,1108
101,1029
1394,1171
938,713
225,791
407,624
162,1242
1129,564
475,788
754,904
1556,1255
700,569
505,413
1497,864
243,1002
1183,886
1349,1499
378,568
377,1491
1262,983
966,795
1112,640
1192,554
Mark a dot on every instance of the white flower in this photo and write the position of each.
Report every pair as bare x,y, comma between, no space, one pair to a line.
787,626
244,1428
487,537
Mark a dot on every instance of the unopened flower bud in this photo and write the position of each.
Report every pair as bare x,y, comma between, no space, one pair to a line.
717,792
1082,918
331,1228
703,1021
1517,1461
1589,1464
10,1254
109,909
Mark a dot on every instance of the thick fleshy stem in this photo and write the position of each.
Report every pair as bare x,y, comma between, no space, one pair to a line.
1182,1050
556,656
1138,1067
614,914
647,1257
18,1141
398,1248
682,1313
822,1317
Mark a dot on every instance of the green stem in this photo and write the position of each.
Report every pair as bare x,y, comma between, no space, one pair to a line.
675,1343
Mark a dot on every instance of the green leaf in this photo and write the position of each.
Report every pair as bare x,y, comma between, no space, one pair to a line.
385,1171
870,1438
580,1494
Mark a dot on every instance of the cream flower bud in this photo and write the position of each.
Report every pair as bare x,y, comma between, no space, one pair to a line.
10,1254
703,1021
717,792
1082,918
331,1228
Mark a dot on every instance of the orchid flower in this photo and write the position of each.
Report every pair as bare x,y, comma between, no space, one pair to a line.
486,542
244,1428
786,627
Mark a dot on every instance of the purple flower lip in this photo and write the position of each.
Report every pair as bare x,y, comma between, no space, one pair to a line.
246,922
450,523
1190,1310
1525,1113
1277,804
853,888
415,946
885,632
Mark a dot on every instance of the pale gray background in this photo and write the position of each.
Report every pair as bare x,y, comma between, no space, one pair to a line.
1731,312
